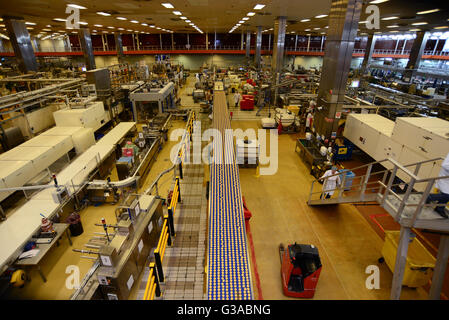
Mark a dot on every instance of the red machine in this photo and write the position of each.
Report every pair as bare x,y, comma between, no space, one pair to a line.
300,270
247,102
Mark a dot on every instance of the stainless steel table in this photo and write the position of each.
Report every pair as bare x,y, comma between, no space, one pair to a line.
60,228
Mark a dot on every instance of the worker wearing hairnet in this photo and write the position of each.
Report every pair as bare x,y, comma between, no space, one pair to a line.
331,180
442,197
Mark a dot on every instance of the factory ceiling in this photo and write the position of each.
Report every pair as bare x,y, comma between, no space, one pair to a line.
193,16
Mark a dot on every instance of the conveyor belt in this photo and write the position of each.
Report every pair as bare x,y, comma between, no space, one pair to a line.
229,276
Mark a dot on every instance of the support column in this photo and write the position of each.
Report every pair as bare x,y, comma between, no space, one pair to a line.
269,42
248,43
279,43
172,42
21,43
296,42
343,23
160,39
415,55
241,42
401,259
119,46
322,42
258,47
207,41
86,45
368,54
215,40
67,46
188,43
440,268
308,44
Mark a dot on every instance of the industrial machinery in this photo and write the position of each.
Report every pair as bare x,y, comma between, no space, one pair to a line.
121,251
300,270
151,99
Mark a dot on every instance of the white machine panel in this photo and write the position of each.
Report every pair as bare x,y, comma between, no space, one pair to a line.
16,173
40,157
92,117
387,148
428,137
61,131
83,139
61,144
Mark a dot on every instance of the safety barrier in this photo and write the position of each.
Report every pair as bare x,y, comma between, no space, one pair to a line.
176,197
152,288
164,240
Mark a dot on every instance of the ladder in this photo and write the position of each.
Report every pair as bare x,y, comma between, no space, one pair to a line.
401,191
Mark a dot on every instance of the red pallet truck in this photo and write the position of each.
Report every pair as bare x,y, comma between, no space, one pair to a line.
300,270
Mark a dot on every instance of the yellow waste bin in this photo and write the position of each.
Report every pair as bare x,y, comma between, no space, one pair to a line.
419,265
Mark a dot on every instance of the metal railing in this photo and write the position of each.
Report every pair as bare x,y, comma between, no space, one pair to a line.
368,187
220,47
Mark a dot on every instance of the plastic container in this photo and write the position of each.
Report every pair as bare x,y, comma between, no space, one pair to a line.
348,179
419,265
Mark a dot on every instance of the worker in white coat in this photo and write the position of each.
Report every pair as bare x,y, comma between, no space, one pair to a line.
442,197
331,180
237,98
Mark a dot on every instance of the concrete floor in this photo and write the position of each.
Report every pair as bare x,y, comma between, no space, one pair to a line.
345,240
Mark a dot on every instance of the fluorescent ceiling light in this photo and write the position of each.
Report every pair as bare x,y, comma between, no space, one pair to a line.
378,1
419,23
241,21
152,26
428,11
259,6
134,21
307,30
246,18
271,29
59,19
101,13
30,23
83,23
167,5
46,29
29,28
188,21
323,32
393,26
191,24
76,6
321,16
441,27
178,13
98,25
111,27
305,20
316,28
389,18
326,27
393,31
121,18
238,25
144,24
250,14
183,18
129,30
360,22
158,28
121,29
